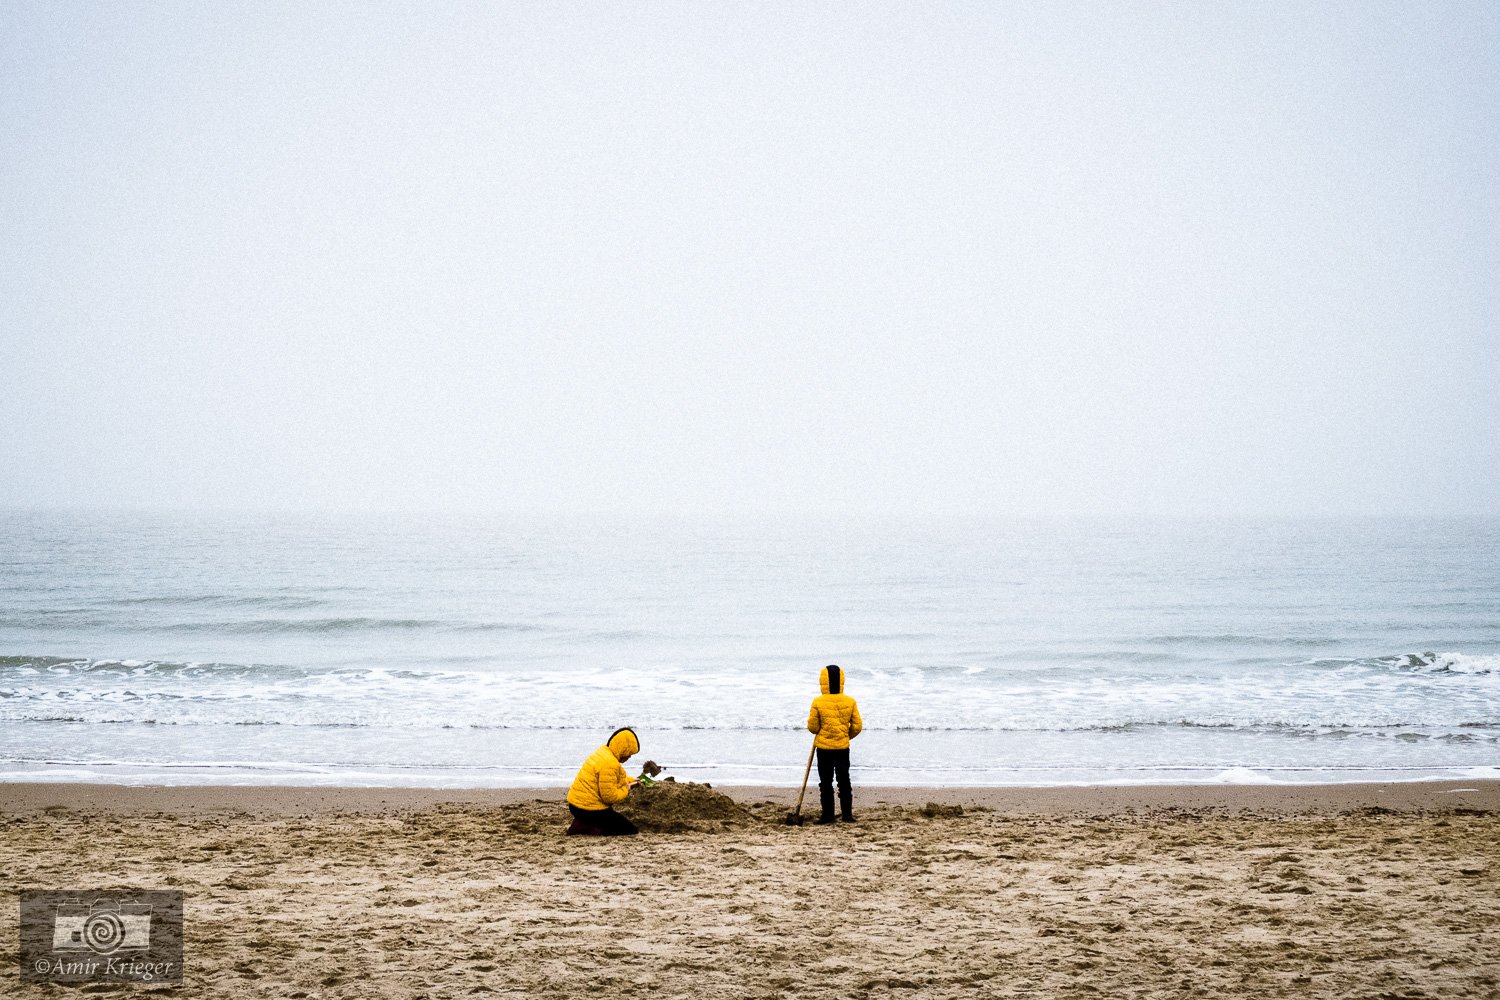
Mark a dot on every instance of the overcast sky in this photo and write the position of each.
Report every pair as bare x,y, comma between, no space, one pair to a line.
752,258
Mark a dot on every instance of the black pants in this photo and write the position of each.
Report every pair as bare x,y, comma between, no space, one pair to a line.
831,763
599,823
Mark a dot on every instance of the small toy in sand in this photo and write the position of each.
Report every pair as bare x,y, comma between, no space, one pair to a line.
649,771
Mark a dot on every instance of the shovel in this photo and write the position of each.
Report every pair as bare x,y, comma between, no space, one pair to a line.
795,818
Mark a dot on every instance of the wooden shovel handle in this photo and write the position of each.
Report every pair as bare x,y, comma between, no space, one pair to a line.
805,774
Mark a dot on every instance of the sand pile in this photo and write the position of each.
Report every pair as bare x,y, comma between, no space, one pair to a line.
679,806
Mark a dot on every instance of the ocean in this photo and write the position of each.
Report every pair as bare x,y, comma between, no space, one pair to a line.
454,651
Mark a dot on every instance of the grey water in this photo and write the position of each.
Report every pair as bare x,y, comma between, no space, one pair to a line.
468,651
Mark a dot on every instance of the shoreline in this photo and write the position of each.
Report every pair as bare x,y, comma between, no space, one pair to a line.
30,798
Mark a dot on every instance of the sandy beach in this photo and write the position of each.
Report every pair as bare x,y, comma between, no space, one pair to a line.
1378,891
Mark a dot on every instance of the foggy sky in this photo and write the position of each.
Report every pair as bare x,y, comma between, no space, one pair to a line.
923,259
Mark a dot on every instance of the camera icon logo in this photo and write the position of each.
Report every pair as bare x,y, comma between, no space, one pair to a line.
103,927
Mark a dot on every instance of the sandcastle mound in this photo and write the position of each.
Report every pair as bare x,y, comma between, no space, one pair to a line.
679,806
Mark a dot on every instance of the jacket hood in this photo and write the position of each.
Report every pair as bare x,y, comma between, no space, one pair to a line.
831,680
623,742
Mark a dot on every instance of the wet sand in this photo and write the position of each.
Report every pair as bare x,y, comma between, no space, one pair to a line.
1371,891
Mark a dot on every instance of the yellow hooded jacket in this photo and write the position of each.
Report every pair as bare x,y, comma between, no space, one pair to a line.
834,717
601,781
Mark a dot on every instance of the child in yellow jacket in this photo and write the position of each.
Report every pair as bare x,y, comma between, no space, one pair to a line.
834,719
601,784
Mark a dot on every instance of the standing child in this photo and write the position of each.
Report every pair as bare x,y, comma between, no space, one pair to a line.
835,720
602,782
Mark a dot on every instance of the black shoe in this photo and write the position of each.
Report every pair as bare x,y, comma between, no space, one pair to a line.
823,821
847,817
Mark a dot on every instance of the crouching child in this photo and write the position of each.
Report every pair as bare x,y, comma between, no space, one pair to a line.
600,785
